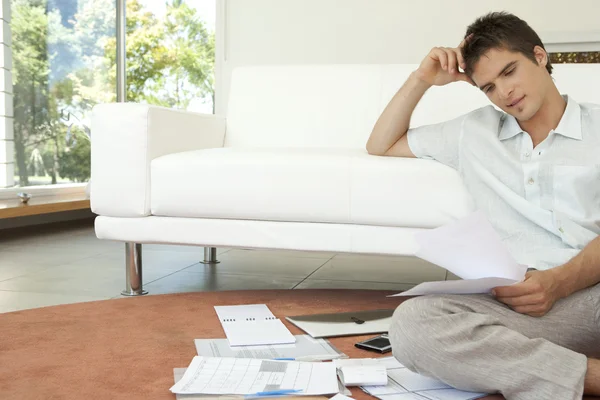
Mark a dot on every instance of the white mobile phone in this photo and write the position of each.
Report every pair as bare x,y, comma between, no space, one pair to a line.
380,344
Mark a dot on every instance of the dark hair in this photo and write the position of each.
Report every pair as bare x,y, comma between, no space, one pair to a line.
498,30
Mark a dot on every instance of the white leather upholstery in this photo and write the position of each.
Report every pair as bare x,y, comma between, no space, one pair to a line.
339,238
345,186
127,137
293,173
328,105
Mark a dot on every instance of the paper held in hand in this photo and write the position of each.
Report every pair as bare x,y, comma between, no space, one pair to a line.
471,249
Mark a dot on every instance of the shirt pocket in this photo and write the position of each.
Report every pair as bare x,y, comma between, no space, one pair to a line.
577,191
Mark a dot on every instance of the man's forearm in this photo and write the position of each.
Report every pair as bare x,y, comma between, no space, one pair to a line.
395,119
581,271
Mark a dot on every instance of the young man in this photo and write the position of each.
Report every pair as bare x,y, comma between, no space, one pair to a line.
534,170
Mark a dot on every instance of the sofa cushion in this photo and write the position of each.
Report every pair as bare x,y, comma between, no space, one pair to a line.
307,185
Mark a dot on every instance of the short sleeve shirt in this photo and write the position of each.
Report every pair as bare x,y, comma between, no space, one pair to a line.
543,201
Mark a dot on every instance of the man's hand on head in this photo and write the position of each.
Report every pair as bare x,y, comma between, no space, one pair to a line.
441,66
535,296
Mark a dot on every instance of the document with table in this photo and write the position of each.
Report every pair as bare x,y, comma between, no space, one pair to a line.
304,349
404,384
208,375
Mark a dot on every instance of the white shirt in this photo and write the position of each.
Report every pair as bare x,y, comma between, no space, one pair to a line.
544,202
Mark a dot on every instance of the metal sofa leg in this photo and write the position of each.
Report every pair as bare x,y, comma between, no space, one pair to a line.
133,270
210,256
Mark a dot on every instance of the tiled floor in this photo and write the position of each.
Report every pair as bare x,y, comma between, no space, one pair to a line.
67,264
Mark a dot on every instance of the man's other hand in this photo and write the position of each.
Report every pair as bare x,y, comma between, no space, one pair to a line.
441,66
535,296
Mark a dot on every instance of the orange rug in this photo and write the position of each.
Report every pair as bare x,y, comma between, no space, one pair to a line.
127,348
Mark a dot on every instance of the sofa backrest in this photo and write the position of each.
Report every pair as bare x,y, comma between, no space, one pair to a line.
337,105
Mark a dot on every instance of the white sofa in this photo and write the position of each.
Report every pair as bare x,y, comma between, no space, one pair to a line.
286,168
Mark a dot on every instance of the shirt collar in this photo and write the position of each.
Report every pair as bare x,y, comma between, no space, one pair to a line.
510,127
569,125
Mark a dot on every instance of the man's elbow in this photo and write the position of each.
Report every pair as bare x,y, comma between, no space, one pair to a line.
374,151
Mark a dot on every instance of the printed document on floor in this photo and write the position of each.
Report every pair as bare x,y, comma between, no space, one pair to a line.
252,325
404,384
210,375
305,349
179,372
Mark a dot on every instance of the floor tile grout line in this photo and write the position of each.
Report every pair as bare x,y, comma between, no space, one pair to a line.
292,256
172,273
42,268
312,273
229,274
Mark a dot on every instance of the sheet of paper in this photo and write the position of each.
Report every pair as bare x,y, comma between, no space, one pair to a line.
441,394
363,375
341,397
467,286
392,387
470,248
305,349
404,384
390,362
179,372
251,325
414,382
355,362
402,396
252,333
247,312
209,375
451,394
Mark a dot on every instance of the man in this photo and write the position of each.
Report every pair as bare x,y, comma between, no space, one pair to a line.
534,170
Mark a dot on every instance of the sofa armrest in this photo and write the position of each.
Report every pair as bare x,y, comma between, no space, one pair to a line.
126,137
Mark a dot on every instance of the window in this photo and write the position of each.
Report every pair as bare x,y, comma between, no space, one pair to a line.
180,37
60,70
59,60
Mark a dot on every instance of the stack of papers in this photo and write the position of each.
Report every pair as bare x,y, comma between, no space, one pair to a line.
361,372
179,372
250,325
208,375
305,349
471,249
404,384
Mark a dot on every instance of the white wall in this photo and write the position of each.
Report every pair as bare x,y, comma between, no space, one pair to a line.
368,31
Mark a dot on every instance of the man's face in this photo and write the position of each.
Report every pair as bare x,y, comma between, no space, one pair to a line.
512,81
